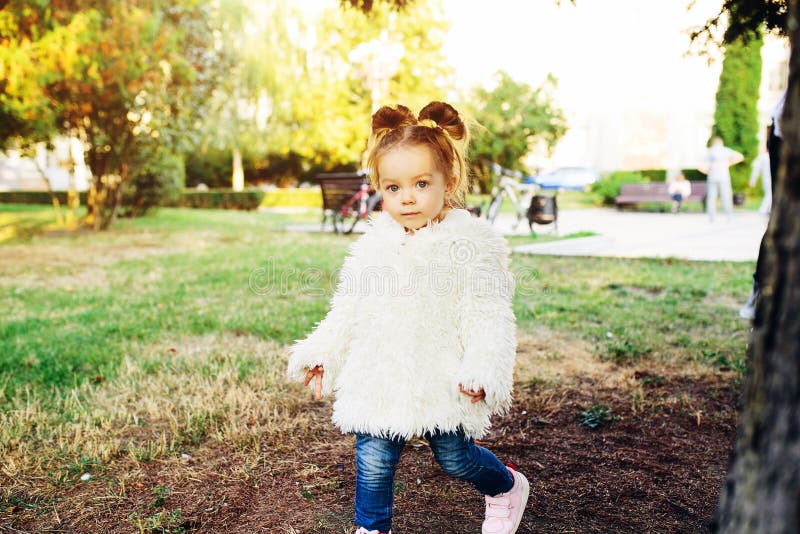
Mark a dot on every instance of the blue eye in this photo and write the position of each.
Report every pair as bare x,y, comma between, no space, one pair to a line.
422,184
392,188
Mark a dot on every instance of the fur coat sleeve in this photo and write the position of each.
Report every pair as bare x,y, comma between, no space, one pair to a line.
328,344
486,301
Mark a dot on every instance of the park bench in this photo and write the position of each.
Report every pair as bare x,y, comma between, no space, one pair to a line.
337,188
655,192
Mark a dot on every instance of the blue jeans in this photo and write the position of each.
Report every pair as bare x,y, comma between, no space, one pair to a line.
459,457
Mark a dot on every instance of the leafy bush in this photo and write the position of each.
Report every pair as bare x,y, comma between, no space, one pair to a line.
35,197
212,167
220,199
694,175
655,175
159,181
607,188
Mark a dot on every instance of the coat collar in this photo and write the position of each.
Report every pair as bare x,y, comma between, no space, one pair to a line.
384,223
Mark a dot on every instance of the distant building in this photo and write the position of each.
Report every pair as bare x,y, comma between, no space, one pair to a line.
21,174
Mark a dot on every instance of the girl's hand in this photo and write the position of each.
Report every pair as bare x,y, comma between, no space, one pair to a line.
477,396
315,374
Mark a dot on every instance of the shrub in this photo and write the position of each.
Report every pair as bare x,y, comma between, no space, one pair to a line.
212,168
159,181
35,197
655,175
220,199
693,175
607,188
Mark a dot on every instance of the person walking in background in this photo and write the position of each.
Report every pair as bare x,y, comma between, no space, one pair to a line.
761,167
679,189
716,166
420,339
774,142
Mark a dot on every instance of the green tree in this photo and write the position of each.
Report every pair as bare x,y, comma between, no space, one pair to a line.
335,120
124,77
513,120
247,109
736,114
741,19
308,108
27,117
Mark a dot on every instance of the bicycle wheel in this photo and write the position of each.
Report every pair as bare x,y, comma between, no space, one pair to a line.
345,220
494,208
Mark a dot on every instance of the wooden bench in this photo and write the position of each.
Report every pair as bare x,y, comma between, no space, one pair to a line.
337,188
656,192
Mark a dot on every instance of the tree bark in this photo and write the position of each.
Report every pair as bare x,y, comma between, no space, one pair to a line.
762,489
49,186
237,181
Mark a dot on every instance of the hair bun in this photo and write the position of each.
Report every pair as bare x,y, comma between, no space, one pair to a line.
446,117
389,118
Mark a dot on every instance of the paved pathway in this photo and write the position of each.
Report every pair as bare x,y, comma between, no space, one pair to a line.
653,235
631,234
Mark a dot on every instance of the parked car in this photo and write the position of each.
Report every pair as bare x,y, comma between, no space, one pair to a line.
575,178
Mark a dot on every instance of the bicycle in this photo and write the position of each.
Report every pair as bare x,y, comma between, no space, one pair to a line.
356,208
522,192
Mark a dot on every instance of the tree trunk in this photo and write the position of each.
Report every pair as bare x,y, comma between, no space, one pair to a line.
95,203
762,490
238,170
73,197
53,197
116,199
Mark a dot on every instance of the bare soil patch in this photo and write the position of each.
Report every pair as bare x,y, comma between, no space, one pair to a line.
656,466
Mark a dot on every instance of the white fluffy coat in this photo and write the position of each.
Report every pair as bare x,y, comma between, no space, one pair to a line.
413,317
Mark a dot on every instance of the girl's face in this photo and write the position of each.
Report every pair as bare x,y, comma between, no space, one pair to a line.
413,188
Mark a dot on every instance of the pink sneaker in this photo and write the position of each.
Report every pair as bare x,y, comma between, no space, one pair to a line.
504,512
362,530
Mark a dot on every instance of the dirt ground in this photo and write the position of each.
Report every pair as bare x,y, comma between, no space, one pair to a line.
656,465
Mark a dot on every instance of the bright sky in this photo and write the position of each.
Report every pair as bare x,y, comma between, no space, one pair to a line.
616,61
608,53
604,53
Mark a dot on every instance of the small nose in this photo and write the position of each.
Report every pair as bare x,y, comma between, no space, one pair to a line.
407,197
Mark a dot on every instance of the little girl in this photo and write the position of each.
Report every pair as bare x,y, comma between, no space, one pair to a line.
420,338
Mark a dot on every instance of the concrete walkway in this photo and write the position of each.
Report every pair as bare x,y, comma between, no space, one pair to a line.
630,234
627,234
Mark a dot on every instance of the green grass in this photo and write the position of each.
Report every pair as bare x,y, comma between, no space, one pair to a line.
638,308
78,304
133,346
65,327
23,221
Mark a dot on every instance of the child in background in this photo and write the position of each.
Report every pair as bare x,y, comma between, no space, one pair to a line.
679,189
420,339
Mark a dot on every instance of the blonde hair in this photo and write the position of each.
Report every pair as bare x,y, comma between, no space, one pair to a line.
437,127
